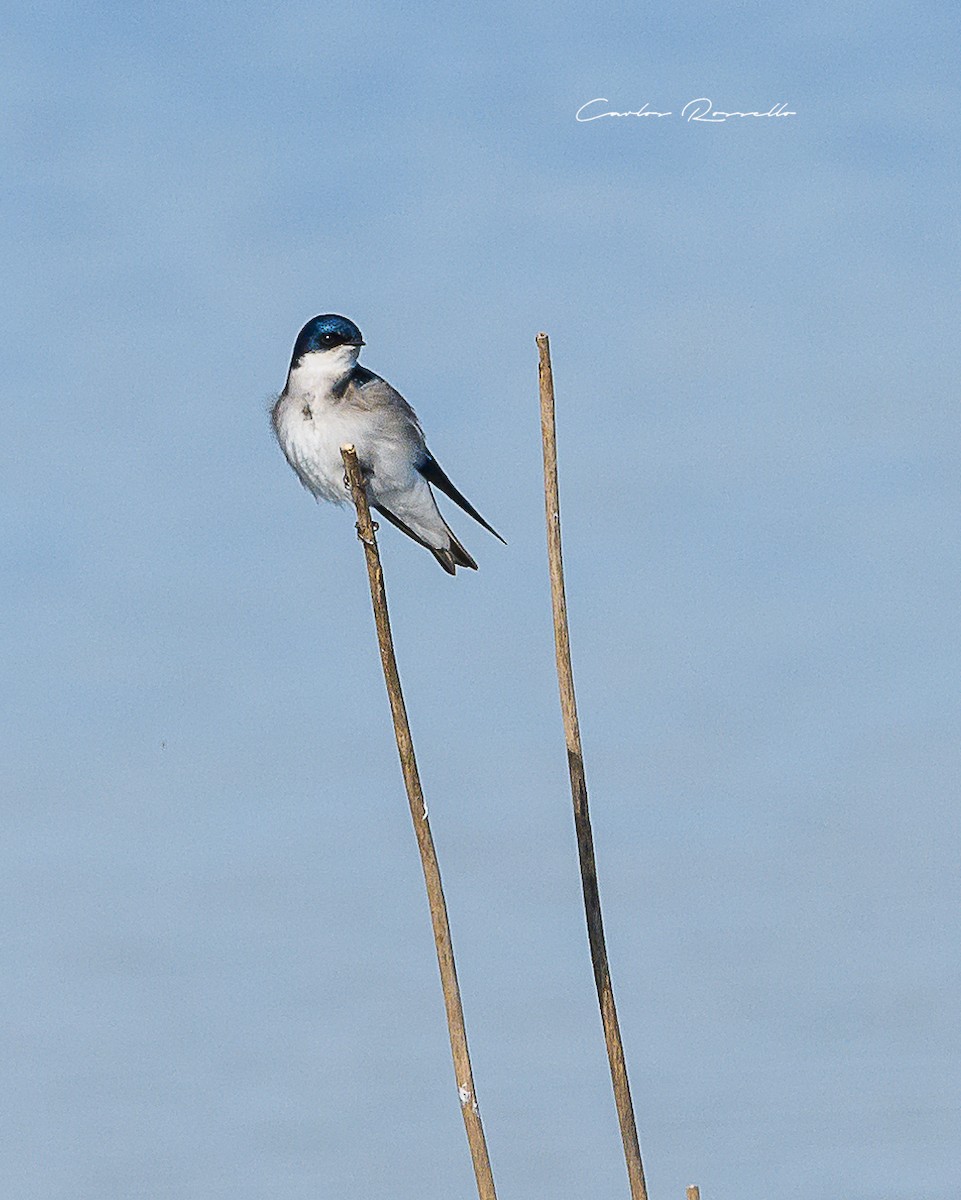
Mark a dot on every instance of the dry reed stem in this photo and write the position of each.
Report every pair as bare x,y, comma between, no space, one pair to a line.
575,761
425,842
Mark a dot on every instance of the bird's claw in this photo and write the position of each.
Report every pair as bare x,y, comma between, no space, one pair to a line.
360,533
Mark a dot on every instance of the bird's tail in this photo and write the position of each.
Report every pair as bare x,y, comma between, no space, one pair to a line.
454,556
450,559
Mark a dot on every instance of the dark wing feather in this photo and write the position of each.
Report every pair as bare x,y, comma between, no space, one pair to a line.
432,472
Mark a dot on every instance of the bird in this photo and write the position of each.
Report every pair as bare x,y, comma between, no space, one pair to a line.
329,400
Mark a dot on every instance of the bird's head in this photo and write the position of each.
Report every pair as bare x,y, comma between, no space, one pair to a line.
330,341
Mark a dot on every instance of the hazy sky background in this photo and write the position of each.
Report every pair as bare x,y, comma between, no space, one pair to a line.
218,980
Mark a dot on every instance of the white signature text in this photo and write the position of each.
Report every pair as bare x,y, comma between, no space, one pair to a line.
701,109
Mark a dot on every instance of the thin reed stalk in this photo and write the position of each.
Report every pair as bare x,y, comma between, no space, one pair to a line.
425,842
575,761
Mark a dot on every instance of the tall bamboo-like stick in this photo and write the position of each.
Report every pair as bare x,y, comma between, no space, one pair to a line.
575,761
425,842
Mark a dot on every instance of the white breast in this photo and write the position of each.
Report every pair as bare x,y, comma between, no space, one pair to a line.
311,433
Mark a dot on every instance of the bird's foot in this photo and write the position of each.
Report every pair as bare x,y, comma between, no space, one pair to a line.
360,533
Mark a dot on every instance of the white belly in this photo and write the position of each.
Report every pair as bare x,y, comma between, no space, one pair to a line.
311,433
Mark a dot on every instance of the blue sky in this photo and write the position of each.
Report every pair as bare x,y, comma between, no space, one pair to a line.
219,976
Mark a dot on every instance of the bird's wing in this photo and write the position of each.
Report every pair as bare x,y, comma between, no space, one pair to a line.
369,393
433,473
